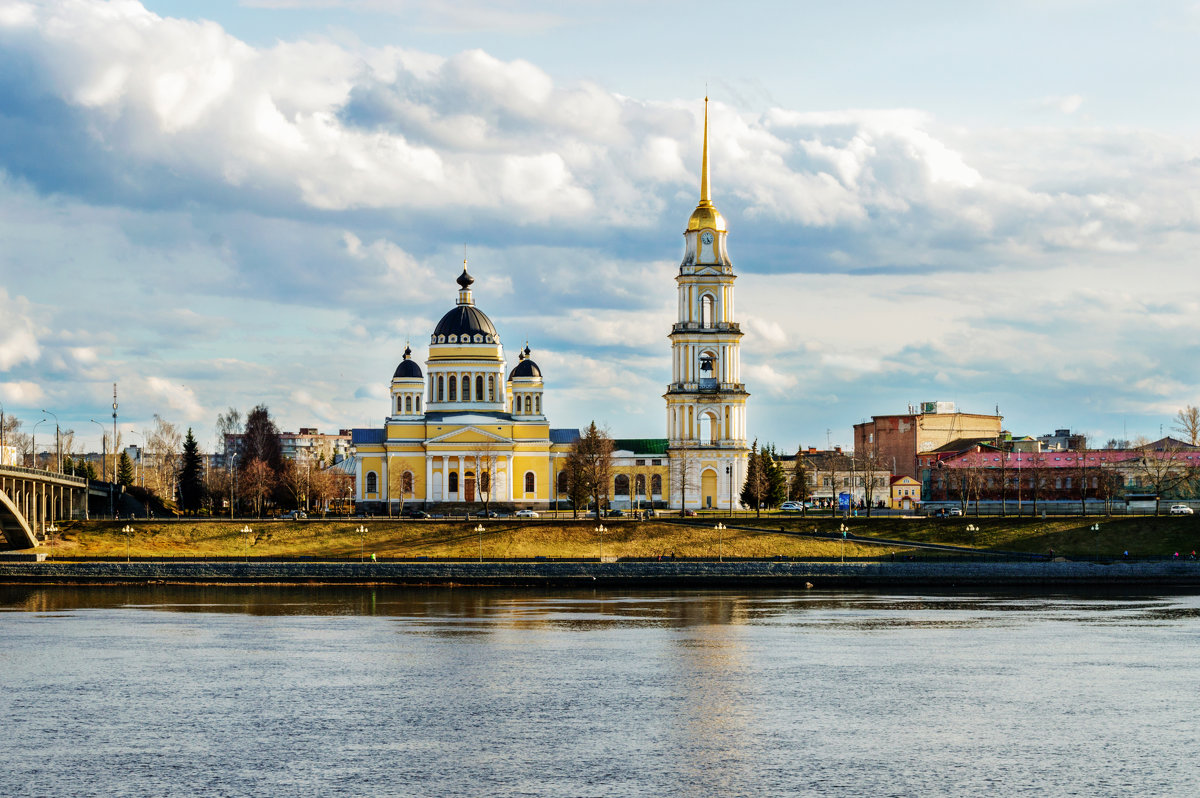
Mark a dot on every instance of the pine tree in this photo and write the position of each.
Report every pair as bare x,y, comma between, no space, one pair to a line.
798,488
776,493
125,470
86,469
191,475
754,492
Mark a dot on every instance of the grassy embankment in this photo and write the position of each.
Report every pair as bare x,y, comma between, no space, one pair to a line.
501,538
1141,536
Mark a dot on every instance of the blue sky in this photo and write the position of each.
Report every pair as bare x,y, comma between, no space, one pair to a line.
231,203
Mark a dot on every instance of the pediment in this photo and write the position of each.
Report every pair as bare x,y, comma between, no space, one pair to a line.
469,435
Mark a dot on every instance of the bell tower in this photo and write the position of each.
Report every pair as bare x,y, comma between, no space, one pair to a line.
706,400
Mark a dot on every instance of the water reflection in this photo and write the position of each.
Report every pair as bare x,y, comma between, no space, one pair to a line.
357,691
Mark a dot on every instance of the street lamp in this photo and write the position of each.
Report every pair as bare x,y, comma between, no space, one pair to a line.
51,530
601,530
233,484
104,464
57,440
479,531
844,529
720,541
246,530
141,454
33,441
729,475
362,542
128,530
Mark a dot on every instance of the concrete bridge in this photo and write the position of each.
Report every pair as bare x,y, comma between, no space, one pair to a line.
32,499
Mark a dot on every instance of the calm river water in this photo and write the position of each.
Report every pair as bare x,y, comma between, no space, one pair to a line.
293,691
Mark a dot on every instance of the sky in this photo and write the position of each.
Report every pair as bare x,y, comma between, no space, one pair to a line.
226,204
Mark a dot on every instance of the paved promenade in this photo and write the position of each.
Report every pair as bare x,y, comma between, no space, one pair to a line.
623,574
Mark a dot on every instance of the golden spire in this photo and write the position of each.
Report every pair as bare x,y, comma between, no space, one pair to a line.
704,199
706,214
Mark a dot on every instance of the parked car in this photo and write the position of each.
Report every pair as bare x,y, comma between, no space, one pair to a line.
615,513
689,513
1180,509
525,514
416,514
791,507
487,514
300,515
946,512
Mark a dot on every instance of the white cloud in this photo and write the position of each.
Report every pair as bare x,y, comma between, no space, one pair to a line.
179,398
18,338
22,393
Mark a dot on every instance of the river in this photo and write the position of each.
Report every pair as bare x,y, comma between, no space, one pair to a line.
327,692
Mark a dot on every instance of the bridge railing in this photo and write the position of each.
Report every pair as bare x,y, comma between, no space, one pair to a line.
38,472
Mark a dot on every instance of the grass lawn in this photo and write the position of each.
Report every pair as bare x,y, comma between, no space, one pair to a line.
1071,536
430,538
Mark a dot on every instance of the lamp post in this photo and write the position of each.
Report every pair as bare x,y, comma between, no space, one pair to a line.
233,484
51,530
33,441
729,475
141,452
57,440
104,464
479,531
128,530
246,530
720,541
601,529
362,542
843,530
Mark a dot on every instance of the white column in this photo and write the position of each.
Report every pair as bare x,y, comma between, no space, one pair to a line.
445,477
428,478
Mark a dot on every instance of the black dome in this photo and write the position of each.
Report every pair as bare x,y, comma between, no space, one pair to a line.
407,367
466,320
526,368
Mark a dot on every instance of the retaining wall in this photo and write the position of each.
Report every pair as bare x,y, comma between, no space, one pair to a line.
643,574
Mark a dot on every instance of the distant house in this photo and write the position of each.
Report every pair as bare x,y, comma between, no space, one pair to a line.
906,493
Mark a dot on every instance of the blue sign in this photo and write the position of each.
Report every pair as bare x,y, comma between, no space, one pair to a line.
843,501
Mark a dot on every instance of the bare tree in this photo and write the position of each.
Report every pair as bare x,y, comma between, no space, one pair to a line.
591,459
1162,470
165,442
682,467
400,486
870,466
487,465
257,480
1187,422
228,423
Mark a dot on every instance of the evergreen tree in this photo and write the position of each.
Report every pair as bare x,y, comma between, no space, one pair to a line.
86,469
191,475
68,465
776,493
798,488
754,492
125,470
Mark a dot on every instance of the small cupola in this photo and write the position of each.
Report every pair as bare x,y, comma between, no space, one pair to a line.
525,386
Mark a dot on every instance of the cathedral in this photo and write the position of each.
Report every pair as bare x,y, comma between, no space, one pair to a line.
468,429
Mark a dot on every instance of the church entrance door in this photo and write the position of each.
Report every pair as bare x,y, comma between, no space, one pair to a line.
469,486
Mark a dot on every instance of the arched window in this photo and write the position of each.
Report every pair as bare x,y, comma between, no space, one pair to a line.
706,310
479,388
621,485
408,404
466,388
441,389
491,389
639,485
562,482
537,403
530,482
453,388
406,484
418,403
528,404
453,481
372,482
399,404
656,485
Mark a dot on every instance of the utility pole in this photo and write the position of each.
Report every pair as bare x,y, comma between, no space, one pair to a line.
114,437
